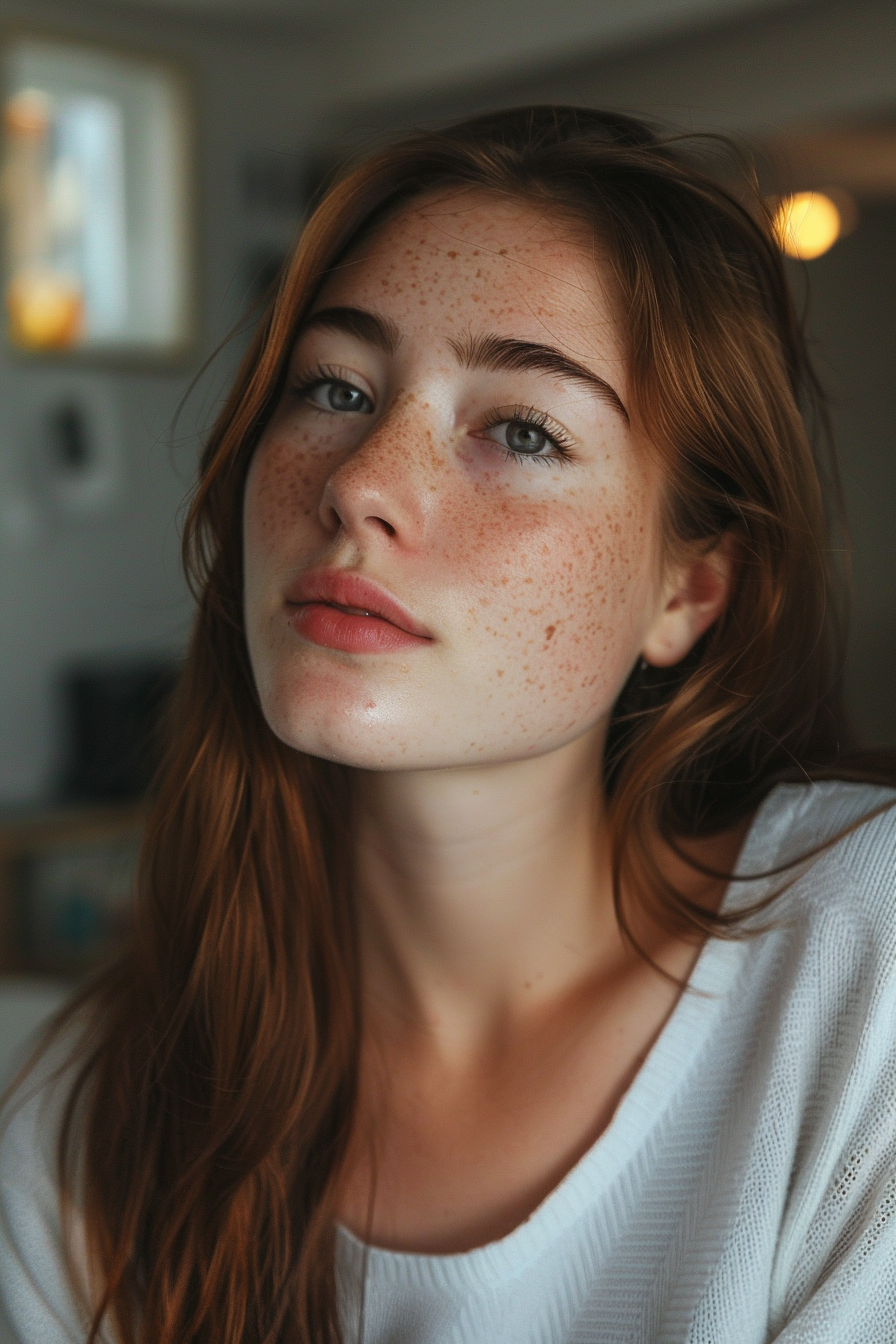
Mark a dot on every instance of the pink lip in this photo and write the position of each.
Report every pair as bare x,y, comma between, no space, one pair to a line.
340,610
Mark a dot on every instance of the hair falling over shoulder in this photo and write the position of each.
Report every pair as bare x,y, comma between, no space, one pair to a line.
217,1058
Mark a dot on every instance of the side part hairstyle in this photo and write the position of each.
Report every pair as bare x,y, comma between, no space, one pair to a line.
217,1058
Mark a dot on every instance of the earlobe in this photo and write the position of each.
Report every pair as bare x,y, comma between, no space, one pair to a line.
696,596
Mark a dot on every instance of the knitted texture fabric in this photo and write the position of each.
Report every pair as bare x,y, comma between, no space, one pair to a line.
745,1189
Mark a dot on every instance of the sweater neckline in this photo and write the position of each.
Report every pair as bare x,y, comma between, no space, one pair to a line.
652,1091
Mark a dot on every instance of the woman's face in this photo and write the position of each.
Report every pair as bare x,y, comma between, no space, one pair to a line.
452,432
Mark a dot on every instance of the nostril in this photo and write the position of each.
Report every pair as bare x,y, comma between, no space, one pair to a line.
387,527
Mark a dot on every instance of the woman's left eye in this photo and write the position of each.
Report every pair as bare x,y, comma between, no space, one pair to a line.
330,394
520,437
528,439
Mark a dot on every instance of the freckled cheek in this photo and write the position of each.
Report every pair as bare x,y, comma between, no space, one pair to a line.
545,555
284,487
545,591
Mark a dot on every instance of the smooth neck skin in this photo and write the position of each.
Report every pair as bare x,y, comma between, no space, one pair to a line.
503,1013
483,890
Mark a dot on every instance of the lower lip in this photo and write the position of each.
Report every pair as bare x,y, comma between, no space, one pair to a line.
334,628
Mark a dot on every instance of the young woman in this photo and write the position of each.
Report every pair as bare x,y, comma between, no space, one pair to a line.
490,982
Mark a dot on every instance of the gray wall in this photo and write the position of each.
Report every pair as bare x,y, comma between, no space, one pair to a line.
852,320
111,584
788,64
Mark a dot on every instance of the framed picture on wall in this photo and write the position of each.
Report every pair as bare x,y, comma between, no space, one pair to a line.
96,191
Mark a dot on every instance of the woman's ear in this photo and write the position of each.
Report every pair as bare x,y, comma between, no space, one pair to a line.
696,594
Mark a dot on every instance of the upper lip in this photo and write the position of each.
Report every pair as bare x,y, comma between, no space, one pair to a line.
343,588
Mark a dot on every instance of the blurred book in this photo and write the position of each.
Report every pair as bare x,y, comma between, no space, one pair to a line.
74,902
112,718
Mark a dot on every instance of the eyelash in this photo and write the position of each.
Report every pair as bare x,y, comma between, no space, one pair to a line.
308,379
517,415
531,418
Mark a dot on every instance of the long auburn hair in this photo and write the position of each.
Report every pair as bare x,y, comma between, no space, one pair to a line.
217,1058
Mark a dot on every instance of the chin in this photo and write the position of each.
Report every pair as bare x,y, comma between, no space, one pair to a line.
351,730
388,721
356,750
367,741
348,730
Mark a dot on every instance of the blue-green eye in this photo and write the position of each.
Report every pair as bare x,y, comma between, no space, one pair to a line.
332,395
528,435
520,437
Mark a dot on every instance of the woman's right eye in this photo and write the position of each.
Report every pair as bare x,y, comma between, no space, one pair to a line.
332,395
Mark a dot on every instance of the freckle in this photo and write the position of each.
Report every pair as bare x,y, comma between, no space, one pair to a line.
371,704
500,672
549,632
452,255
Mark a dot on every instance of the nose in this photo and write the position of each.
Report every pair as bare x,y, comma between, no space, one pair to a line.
383,489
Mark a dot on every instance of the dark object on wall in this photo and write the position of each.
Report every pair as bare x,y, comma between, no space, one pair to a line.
69,437
112,714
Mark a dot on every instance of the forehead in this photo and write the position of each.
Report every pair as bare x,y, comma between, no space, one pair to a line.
467,260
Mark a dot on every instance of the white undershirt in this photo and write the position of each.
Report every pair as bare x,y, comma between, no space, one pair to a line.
744,1191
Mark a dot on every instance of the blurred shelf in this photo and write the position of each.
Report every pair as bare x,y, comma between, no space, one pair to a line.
66,879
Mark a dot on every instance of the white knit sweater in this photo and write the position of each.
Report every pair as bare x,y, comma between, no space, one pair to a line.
744,1191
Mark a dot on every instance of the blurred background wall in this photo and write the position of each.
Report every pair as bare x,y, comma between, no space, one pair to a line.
279,88
110,584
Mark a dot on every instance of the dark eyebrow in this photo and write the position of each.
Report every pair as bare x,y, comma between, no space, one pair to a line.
500,353
367,326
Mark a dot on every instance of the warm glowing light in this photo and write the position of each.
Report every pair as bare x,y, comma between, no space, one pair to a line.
807,224
27,113
46,311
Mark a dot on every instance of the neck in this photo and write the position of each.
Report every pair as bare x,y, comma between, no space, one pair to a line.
484,892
